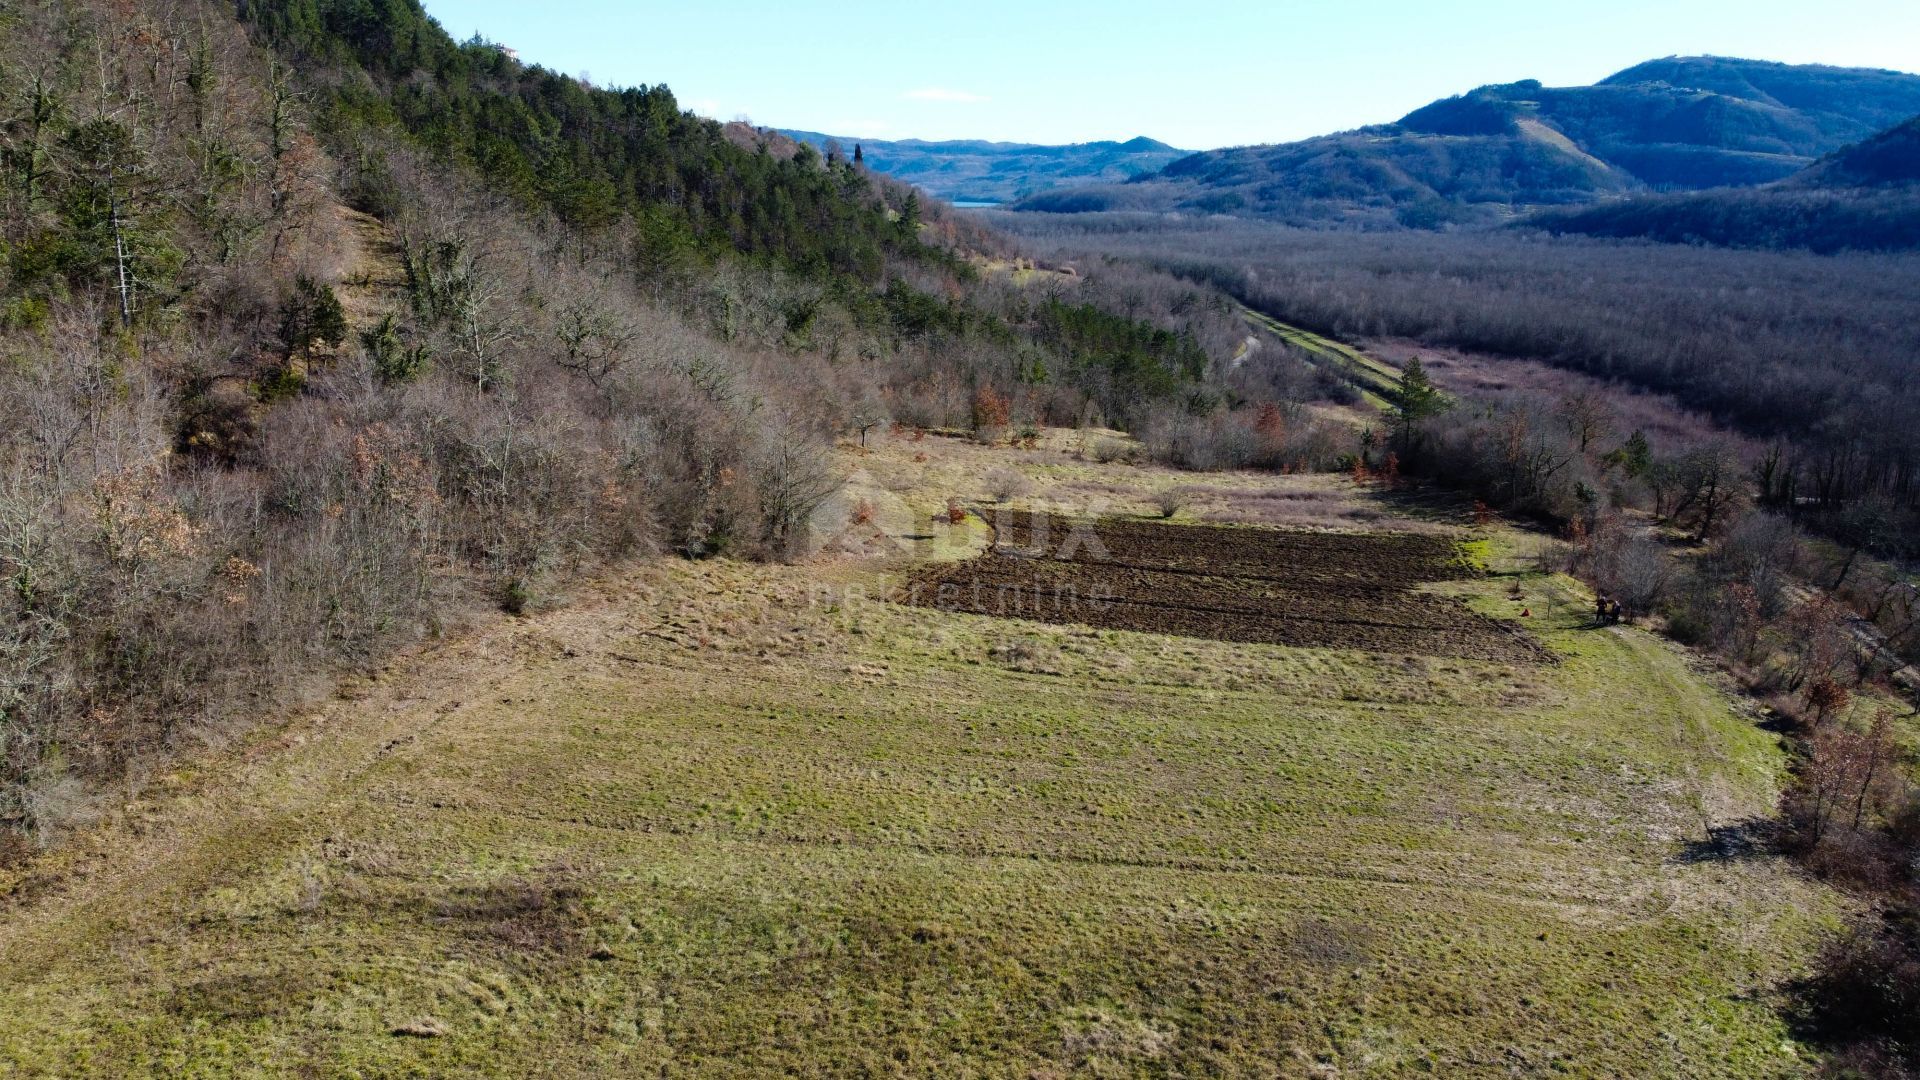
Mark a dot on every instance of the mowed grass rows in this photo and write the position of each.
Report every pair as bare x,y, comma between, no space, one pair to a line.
718,826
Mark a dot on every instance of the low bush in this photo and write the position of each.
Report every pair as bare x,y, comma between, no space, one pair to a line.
1005,485
1171,500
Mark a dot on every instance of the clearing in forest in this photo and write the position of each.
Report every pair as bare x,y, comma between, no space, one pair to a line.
726,819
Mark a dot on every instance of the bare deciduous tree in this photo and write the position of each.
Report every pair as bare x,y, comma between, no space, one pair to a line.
794,477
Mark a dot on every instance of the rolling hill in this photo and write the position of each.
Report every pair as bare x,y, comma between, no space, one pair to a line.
1865,197
973,170
1889,159
1679,124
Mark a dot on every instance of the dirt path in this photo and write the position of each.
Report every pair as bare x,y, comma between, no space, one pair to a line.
374,283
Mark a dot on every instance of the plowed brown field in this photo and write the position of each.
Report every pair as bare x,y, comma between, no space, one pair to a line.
1331,590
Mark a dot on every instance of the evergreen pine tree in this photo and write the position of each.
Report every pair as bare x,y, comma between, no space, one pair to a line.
1418,400
910,217
1635,456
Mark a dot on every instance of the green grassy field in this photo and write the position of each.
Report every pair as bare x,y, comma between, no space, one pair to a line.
725,819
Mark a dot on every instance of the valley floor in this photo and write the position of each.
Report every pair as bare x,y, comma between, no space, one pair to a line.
722,818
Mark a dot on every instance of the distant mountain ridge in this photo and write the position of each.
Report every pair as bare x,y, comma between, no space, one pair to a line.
1677,124
978,170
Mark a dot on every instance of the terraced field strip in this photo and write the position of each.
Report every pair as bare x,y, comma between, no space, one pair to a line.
1378,381
1352,591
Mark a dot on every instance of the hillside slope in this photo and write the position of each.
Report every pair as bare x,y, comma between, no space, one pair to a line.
323,329
1679,124
973,170
1865,197
1888,159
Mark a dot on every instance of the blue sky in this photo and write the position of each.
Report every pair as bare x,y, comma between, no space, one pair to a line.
1195,74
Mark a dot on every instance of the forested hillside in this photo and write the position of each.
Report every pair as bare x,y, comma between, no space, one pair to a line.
1865,197
1890,158
1842,103
501,575
589,156
323,329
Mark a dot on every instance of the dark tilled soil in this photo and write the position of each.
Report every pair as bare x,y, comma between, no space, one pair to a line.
1351,591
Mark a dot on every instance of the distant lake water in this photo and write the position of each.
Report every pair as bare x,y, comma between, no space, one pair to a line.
972,204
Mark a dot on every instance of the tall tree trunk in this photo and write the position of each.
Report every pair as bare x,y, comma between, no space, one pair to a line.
120,254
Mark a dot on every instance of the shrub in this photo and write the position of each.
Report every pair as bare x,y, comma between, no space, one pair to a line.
793,476
393,360
1688,625
1200,444
1107,449
1028,654
1865,988
1630,567
1826,697
515,597
1172,500
990,411
1006,485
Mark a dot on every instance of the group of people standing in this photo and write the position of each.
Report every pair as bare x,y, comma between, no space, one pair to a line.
1606,612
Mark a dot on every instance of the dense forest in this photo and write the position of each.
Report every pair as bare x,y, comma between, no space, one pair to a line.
589,156
1813,353
1772,218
